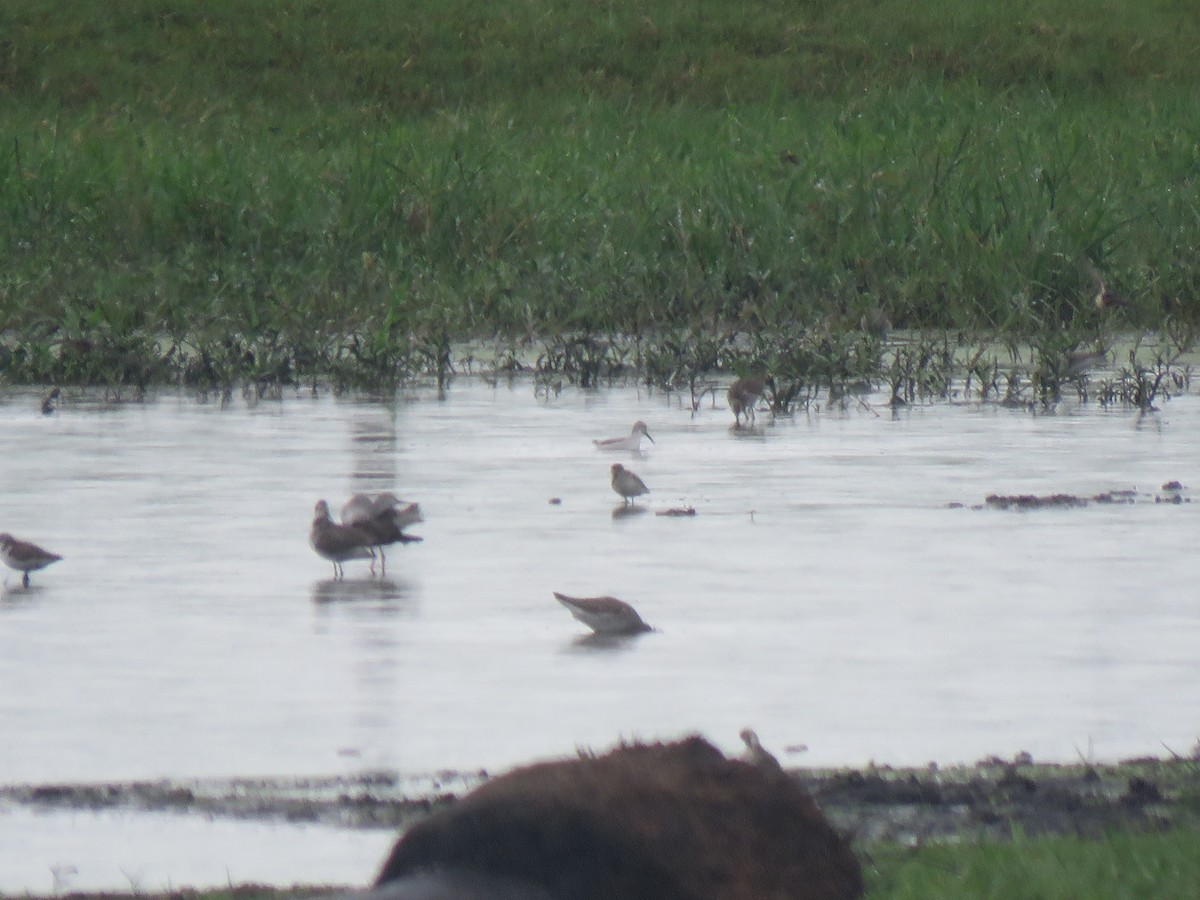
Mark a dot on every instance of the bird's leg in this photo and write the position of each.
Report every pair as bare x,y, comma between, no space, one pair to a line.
25,580
382,562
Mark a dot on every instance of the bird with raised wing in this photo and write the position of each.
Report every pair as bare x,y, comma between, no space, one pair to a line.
383,517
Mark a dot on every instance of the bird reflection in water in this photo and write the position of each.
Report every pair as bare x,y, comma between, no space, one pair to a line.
339,590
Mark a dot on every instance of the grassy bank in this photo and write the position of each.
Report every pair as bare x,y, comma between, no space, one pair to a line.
293,190
1050,868
1164,866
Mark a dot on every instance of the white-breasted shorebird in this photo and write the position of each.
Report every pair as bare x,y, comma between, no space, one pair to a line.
742,395
24,557
337,543
604,615
627,484
632,443
384,517
755,753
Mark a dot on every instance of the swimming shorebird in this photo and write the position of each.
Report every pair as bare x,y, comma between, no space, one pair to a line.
632,443
383,517
627,484
24,557
337,543
742,395
604,615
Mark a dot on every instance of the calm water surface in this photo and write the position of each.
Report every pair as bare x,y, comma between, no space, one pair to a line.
824,593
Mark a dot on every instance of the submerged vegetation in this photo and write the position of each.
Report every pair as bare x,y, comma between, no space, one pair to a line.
291,191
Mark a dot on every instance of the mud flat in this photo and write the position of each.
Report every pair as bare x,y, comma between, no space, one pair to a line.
987,800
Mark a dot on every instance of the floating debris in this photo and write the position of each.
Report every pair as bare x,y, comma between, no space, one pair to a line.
677,511
1072,501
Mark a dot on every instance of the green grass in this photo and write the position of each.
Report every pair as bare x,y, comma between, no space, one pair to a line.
298,189
1121,866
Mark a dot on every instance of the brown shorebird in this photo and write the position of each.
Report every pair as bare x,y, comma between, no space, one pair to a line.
50,402
755,753
742,395
1107,299
604,615
633,442
24,557
384,517
627,484
337,543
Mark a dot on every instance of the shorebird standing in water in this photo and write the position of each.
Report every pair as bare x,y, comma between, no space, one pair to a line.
633,442
604,615
742,395
24,557
50,402
627,484
337,543
383,517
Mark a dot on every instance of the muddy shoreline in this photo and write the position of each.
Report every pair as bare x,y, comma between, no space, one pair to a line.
987,800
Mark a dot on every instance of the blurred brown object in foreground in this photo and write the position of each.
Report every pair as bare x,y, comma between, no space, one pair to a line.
672,821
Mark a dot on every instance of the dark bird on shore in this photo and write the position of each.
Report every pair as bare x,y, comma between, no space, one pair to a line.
337,543
24,557
383,517
50,402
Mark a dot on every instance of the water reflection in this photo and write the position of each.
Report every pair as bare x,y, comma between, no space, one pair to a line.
604,643
334,590
16,595
625,511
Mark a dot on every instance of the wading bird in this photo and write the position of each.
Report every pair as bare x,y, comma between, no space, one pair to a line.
24,557
627,484
337,543
383,517
604,615
632,443
742,395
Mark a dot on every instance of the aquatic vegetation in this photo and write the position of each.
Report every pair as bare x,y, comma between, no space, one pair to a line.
228,198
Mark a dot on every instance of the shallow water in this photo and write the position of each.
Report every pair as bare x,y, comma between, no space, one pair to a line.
823,593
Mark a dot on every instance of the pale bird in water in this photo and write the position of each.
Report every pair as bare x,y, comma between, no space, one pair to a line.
627,484
604,615
337,543
383,517
24,557
742,395
633,442
755,753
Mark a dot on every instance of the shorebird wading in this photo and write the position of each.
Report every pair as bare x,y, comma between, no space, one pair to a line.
337,543
24,556
604,615
383,517
742,395
627,484
632,443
